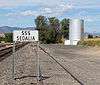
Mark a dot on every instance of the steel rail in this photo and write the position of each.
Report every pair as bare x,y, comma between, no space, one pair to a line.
66,70
8,50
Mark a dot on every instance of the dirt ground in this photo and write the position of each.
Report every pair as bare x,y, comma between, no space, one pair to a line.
82,62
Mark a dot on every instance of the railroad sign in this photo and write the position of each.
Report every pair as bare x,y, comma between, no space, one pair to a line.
25,35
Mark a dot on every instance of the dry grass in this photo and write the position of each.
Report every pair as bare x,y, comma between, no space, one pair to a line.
93,39
90,42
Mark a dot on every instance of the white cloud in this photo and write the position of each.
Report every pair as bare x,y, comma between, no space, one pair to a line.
24,13
42,3
28,13
48,7
56,11
12,3
87,16
11,14
86,4
47,10
55,8
51,3
44,7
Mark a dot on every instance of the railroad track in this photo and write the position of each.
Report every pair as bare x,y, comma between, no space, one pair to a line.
6,51
67,71
42,78
3,45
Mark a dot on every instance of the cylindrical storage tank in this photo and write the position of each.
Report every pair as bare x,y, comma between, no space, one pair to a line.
76,30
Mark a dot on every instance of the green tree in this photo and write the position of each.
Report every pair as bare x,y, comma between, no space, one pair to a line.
8,37
41,26
2,39
50,30
54,24
65,28
50,38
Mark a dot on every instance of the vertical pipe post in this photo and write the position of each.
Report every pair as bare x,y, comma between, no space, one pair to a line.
38,64
13,62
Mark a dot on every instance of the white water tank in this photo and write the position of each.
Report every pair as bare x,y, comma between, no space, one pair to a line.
76,31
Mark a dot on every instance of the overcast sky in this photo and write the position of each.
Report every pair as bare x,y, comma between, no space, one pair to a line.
22,13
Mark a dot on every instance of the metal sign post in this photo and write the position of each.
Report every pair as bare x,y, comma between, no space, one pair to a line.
38,73
26,36
13,63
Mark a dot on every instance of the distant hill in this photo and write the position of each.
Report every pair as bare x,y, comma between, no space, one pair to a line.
93,33
10,29
96,34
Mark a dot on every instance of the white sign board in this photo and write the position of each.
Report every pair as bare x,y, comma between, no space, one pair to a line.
25,35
